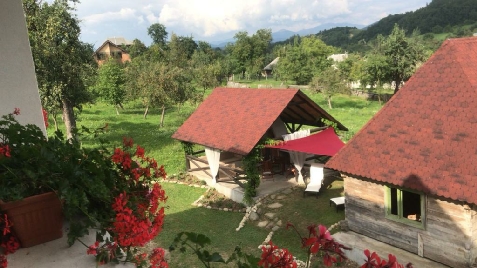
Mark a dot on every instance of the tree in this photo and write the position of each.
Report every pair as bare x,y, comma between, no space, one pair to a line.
242,50
137,48
158,85
62,62
329,82
303,60
181,49
158,34
111,83
250,51
402,56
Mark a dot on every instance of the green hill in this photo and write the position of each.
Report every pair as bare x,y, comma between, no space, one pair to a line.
443,18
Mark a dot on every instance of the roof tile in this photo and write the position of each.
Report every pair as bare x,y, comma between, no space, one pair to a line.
235,119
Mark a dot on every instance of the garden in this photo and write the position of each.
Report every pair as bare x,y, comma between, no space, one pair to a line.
126,152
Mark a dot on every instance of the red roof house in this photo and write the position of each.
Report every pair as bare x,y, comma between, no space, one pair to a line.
411,173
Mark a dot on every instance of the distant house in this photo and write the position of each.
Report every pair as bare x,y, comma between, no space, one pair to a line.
110,50
268,70
338,57
120,41
410,172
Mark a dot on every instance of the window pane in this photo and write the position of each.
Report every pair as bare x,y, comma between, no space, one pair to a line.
411,206
394,201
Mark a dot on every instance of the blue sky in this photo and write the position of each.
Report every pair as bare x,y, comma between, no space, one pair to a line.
216,20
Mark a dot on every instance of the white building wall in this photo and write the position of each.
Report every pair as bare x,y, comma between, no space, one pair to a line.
18,85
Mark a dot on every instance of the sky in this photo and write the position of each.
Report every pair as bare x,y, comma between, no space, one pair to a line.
217,20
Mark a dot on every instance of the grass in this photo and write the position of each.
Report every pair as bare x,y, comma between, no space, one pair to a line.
219,226
304,211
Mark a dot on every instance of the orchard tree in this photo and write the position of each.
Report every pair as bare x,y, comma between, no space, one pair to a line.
402,56
110,84
181,49
158,85
63,64
329,82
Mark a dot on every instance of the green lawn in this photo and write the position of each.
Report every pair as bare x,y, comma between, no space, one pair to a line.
220,226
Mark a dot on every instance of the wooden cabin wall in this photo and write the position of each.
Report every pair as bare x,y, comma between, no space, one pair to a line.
449,229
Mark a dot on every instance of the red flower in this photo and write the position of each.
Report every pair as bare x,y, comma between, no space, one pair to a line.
16,111
157,258
11,245
139,152
117,156
5,150
273,257
128,142
93,249
3,261
45,117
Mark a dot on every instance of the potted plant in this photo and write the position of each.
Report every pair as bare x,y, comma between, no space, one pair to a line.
114,192
28,182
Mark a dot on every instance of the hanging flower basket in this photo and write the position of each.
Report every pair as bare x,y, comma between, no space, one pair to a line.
36,219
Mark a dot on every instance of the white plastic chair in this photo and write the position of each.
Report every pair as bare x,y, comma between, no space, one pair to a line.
316,178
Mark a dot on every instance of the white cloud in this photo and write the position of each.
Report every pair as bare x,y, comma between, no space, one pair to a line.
122,14
219,19
212,17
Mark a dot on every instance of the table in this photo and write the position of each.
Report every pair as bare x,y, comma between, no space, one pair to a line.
338,201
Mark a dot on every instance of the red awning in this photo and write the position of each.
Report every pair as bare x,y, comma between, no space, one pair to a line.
325,142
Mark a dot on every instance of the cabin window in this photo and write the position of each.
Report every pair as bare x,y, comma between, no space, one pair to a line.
405,206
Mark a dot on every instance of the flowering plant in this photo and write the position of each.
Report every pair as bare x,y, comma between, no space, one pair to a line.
24,160
136,215
8,242
319,240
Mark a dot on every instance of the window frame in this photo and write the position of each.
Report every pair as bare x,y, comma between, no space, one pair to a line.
399,217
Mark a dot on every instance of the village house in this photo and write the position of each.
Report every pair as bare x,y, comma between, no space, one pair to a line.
410,173
110,50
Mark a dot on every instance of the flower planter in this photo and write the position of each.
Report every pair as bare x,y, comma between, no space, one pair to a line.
36,219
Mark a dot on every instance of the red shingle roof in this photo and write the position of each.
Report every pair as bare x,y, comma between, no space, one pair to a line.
235,119
425,137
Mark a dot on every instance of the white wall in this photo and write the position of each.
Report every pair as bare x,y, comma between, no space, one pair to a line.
18,85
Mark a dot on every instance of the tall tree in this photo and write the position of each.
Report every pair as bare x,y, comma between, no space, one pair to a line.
181,49
304,59
242,50
158,34
62,62
110,84
402,56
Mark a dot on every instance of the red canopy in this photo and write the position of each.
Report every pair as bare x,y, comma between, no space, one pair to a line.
325,142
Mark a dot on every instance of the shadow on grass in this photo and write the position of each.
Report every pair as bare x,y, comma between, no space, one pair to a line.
219,226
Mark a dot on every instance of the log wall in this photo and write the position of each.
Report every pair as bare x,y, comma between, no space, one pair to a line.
449,236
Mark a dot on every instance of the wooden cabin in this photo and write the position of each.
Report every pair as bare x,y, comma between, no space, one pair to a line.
410,172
